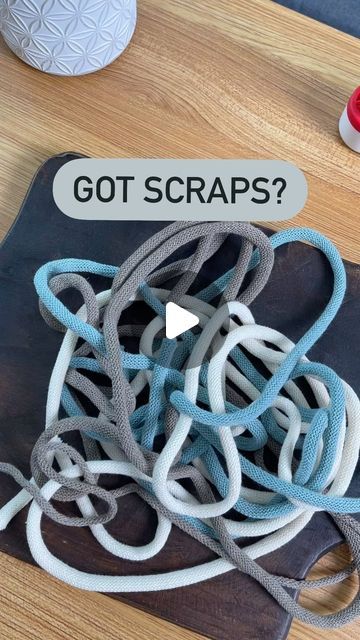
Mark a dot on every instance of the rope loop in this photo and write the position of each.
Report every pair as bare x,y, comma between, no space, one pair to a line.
228,432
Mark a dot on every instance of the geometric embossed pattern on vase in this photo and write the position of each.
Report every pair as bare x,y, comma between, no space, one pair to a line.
67,37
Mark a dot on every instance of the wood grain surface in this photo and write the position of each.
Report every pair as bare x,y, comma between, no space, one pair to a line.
201,78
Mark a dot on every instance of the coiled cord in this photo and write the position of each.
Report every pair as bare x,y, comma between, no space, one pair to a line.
223,407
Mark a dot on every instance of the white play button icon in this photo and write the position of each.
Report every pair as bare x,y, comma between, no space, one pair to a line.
178,320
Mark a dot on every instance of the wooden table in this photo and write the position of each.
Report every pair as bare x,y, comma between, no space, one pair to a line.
202,78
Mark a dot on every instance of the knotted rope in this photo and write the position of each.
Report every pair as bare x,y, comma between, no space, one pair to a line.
234,407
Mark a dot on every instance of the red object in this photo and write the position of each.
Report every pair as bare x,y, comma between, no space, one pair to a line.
353,109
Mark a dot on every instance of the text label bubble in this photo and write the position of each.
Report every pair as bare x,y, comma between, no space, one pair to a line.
153,189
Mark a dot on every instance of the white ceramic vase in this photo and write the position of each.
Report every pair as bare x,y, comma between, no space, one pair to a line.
67,37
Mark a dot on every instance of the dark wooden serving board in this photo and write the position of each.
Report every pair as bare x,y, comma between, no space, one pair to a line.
232,606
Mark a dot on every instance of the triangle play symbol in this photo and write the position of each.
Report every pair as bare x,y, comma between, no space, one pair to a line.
178,320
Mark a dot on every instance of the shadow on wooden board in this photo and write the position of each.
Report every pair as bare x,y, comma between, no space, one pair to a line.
233,605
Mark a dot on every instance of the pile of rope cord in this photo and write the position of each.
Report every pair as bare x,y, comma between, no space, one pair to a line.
234,407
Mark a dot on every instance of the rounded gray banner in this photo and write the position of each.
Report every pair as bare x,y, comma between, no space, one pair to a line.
163,189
